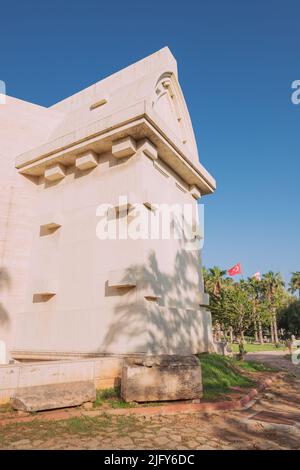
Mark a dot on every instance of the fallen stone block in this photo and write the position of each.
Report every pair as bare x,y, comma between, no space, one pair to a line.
52,396
161,378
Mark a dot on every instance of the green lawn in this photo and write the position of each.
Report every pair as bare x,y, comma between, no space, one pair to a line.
250,347
220,373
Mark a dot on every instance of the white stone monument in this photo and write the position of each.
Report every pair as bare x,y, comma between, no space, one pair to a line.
72,293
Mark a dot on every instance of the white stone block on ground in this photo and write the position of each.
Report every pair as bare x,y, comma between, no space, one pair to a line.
52,396
161,378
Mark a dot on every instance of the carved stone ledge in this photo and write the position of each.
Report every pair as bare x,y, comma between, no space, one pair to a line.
55,172
87,160
124,147
148,148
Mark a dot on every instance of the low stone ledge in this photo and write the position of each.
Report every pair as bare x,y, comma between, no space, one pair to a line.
53,396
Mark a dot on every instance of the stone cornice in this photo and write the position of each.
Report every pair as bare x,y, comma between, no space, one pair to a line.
137,121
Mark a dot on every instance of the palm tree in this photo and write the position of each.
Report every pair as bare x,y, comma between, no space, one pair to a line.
254,288
272,283
214,280
295,283
213,283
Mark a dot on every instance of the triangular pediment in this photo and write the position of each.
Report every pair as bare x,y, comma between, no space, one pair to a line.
168,102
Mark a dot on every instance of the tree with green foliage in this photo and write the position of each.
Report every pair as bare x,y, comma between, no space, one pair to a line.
273,284
248,306
295,283
214,280
231,308
254,289
289,318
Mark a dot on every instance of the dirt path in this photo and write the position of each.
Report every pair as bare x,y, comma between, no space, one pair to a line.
278,359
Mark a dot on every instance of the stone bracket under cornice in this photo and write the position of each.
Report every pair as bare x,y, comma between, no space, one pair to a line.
137,122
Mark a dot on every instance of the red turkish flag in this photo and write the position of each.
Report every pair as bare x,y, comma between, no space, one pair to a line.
236,269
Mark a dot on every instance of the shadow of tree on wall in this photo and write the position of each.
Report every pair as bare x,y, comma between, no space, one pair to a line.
165,317
4,283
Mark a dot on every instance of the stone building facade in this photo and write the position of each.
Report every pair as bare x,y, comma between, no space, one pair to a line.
123,141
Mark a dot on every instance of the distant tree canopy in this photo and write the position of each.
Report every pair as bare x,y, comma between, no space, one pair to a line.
289,318
295,283
257,308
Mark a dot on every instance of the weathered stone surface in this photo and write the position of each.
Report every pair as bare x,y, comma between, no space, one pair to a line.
48,397
161,378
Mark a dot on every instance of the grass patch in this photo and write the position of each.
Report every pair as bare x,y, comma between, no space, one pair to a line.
32,430
6,408
102,396
110,393
111,397
86,425
152,403
250,347
253,366
121,404
59,430
219,374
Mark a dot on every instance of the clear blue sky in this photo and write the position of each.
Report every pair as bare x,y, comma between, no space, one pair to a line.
237,60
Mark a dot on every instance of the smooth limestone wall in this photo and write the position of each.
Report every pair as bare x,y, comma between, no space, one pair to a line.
104,372
86,315
22,125
57,289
